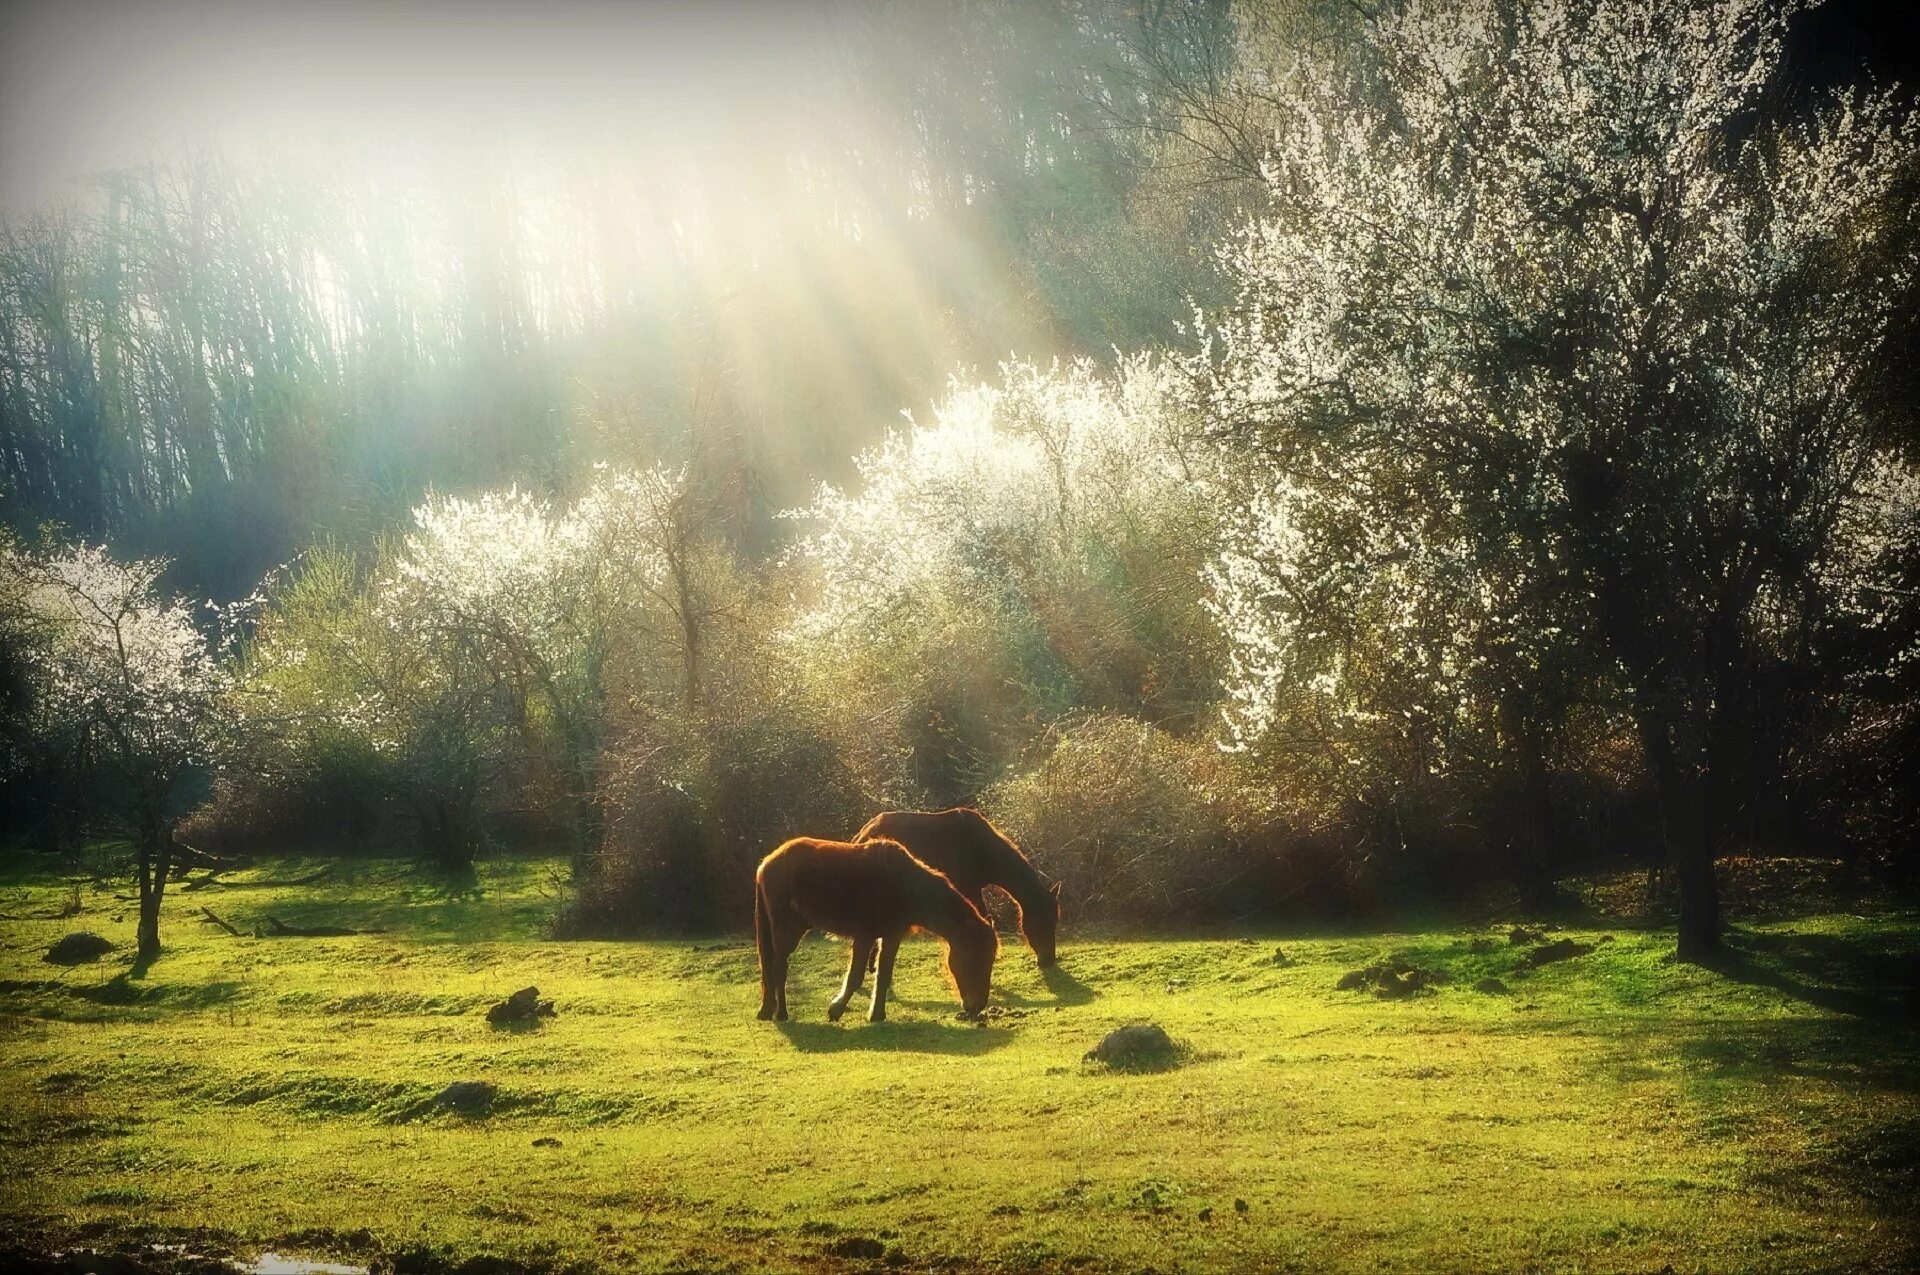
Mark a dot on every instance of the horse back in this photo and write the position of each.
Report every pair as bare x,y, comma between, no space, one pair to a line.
849,888
962,843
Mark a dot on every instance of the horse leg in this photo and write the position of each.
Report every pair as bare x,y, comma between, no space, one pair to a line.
883,977
786,928
856,973
763,943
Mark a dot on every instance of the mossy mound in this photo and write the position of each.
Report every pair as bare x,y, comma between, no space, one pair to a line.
77,948
1136,1047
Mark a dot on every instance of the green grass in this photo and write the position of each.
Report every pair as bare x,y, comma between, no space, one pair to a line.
1612,1112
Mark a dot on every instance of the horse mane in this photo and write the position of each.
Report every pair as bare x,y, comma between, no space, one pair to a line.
945,894
1015,872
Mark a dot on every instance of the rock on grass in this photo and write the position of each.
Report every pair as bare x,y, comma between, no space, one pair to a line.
1136,1047
524,1006
77,948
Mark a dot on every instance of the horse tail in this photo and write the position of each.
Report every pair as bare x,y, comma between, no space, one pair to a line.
762,927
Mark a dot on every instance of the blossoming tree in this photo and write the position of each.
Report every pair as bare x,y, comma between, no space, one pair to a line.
1557,348
125,685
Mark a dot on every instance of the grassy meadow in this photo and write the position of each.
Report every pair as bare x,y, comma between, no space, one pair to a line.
1610,1112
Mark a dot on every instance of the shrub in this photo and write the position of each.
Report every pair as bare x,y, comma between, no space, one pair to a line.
1144,826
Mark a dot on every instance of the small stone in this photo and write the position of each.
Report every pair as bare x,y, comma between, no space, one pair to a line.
1239,1205
1206,1214
546,1142
1491,986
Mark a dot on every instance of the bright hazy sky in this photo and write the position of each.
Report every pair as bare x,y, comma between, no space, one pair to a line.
87,85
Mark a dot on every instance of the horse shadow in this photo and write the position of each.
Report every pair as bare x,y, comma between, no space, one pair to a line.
917,1036
1065,988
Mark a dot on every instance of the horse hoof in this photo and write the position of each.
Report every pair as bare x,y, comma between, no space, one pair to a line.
780,1017
834,1012
764,1014
876,1018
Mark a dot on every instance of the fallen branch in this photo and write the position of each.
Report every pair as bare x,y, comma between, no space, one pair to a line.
309,879
208,913
194,858
277,929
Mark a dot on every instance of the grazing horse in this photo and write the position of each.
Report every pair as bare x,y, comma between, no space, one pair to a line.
873,892
974,854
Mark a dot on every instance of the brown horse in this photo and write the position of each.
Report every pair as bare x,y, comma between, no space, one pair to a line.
873,893
974,854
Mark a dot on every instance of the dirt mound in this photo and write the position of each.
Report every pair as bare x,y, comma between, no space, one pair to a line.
1558,950
77,948
467,1097
1136,1047
856,1246
1392,979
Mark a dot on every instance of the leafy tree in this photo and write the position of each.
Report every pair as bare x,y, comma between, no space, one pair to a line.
475,651
1559,356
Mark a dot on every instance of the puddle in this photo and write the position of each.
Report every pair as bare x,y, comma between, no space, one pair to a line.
275,1264
80,1261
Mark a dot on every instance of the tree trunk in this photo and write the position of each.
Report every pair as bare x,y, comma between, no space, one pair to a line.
1692,839
449,830
1530,844
154,859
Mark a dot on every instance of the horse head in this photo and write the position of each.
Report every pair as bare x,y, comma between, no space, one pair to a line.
1041,924
971,950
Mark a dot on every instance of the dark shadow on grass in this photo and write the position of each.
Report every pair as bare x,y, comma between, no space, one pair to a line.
1856,1054
917,1037
1066,989
460,885
1837,973
121,990
517,1026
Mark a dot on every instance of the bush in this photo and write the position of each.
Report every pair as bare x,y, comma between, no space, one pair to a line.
692,800
1144,826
